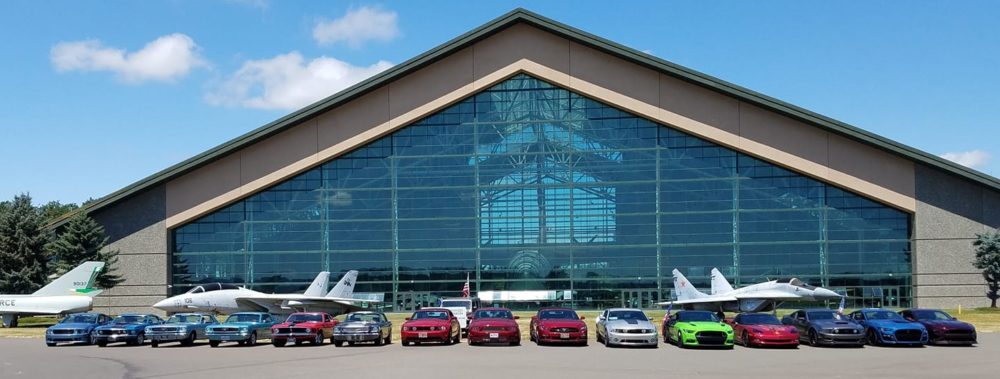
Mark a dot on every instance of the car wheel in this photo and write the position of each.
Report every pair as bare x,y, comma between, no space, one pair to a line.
102,344
458,338
607,342
350,343
278,343
91,339
516,342
50,344
746,339
388,338
252,340
338,343
189,340
813,340
379,341
140,339
680,340
872,337
531,336
213,343
599,339
319,339
154,344
405,343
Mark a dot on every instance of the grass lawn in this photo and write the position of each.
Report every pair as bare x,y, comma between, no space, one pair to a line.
986,320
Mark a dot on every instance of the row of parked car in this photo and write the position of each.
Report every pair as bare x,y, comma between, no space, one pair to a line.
617,326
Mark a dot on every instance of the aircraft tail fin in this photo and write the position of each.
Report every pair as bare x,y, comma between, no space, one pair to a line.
79,280
345,287
684,289
319,285
719,283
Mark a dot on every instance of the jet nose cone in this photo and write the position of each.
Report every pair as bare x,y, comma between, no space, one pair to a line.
825,294
162,305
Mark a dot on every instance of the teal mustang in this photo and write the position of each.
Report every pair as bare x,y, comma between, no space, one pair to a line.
243,328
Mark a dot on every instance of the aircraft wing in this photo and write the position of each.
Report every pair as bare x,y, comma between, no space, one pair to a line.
768,295
283,303
704,300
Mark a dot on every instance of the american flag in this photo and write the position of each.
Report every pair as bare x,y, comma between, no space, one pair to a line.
465,288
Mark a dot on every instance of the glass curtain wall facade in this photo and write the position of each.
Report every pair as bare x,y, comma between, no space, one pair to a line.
543,196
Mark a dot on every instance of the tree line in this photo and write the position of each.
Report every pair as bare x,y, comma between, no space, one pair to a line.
32,253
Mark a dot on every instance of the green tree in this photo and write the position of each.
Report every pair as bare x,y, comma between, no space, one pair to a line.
23,259
988,259
83,239
54,209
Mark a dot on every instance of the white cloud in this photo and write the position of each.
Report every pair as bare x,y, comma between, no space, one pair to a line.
358,26
973,159
167,58
287,82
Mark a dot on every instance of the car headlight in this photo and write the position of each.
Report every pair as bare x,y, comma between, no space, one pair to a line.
583,329
130,331
688,331
885,330
729,331
48,331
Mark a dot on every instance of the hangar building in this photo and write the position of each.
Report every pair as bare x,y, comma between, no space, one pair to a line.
552,166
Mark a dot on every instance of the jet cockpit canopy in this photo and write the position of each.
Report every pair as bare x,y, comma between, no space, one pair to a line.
208,287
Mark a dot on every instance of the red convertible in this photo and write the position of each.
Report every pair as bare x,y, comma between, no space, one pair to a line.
558,325
761,329
303,326
494,325
431,325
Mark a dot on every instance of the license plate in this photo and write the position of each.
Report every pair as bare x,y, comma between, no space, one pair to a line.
229,338
422,335
494,335
291,340
564,336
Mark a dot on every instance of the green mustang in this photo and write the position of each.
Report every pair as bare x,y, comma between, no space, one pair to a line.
697,328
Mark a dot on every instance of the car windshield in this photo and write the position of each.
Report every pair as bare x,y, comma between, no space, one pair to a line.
456,304
883,315
184,319
304,317
364,317
84,319
423,315
558,314
127,320
758,319
931,315
494,313
697,316
627,315
824,315
243,317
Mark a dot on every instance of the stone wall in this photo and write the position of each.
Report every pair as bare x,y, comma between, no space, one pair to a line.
950,212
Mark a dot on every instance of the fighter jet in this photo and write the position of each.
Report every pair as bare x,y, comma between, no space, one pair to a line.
67,294
224,298
753,298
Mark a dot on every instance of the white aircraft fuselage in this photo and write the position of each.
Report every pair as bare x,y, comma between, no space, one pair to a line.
753,298
221,301
26,305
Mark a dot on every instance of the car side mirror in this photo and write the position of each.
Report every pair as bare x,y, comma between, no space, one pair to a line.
534,318
953,318
407,319
517,317
583,317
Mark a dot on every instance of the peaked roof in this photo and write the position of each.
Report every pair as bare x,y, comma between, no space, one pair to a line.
520,15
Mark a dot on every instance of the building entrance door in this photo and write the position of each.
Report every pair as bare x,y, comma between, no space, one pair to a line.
641,298
411,301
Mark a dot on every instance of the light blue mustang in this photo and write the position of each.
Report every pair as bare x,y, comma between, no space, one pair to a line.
243,327
885,327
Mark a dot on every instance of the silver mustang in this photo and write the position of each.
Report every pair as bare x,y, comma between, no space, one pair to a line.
363,327
625,326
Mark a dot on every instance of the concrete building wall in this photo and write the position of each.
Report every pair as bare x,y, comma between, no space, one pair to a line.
950,212
136,228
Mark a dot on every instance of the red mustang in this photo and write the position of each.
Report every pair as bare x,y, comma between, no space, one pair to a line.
494,325
761,329
558,325
303,326
431,324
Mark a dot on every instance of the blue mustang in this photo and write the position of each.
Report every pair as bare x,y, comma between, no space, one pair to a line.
885,327
243,328
128,328
75,328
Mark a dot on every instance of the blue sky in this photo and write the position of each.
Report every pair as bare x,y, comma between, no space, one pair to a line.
95,95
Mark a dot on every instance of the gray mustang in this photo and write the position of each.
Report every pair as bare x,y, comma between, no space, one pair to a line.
625,326
363,327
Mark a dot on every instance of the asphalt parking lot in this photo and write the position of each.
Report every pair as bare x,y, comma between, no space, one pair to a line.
30,358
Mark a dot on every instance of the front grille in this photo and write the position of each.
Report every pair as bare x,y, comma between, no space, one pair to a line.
292,330
845,331
908,335
565,330
494,328
424,328
164,330
636,331
959,332
711,338
63,331
225,330
108,332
